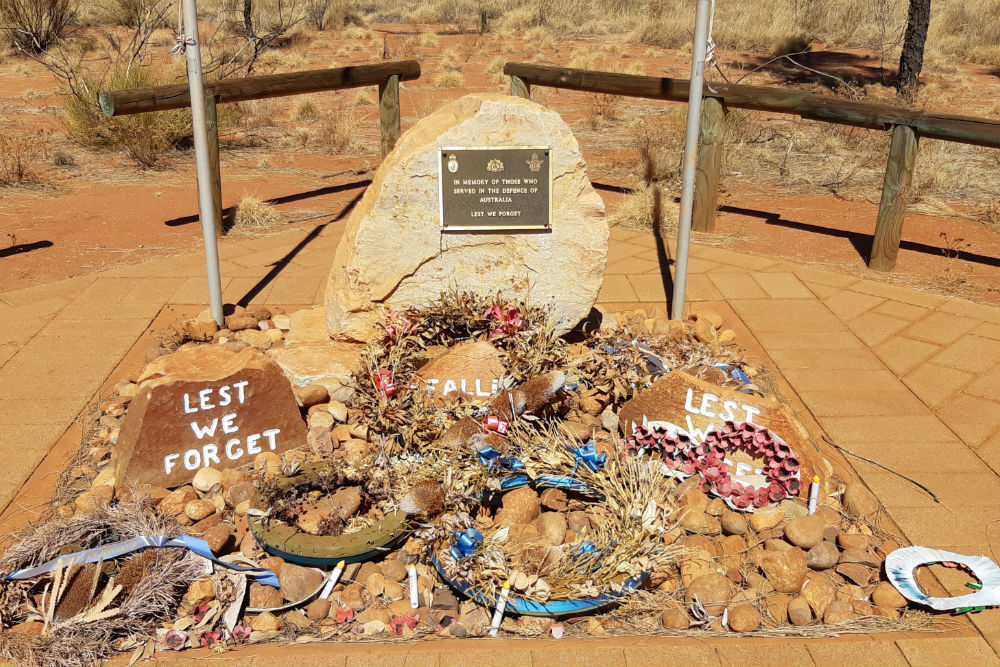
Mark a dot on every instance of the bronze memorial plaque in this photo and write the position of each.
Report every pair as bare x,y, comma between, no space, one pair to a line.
495,188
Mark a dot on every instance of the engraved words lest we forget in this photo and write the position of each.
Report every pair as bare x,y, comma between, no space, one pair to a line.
495,188
207,406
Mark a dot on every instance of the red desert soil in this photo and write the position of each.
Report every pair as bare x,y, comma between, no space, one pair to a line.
103,211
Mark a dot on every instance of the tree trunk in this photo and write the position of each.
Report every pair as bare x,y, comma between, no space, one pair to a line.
912,58
248,19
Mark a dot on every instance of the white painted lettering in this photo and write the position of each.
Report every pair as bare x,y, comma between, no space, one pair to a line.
431,383
697,435
227,423
169,461
252,446
479,391
231,453
210,453
706,401
203,395
192,459
187,405
224,395
751,411
239,388
200,432
728,415
269,434
449,387
689,404
464,391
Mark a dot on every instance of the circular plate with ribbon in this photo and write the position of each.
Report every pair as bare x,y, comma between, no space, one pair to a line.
291,544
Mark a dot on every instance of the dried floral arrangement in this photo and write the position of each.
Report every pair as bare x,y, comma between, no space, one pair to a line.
621,519
92,611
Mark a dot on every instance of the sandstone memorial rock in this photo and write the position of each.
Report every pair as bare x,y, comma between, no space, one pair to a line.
470,370
690,406
394,252
206,407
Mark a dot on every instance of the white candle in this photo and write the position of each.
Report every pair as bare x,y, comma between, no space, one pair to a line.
814,494
414,593
331,581
501,606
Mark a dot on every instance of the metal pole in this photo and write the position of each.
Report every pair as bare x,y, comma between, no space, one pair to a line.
690,154
206,206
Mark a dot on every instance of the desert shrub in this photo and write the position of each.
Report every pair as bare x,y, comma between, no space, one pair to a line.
449,79
145,137
132,13
339,132
18,154
254,216
33,25
305,110
649,207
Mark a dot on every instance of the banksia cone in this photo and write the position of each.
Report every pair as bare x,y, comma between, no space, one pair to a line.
426,497
541,389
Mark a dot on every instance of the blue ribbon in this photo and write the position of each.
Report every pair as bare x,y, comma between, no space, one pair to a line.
588,456
513,481
465,543
491,458
116,549
736,374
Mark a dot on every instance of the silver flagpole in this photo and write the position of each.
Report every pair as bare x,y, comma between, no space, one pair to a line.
690,153
206,207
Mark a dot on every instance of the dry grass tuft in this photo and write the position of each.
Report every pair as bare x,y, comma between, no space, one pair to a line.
649,207
254,216
449,79
306,110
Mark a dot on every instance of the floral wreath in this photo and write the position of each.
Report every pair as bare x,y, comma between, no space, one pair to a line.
707,459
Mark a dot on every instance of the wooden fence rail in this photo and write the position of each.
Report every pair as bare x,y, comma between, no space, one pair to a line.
907,127
161,98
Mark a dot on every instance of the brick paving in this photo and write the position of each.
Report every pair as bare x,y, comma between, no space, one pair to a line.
905,377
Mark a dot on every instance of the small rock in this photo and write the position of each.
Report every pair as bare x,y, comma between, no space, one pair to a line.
178,499
241,322
551,527
320,419
777,609
578,521
859,574
264,597
852,541
819,592
766,517
444,600
823,556
201,329
594,627
220,539
258,311
786,570
207,479
772,544
375,614
885,595
239,493
297,619
743,618
799,611
713,590
715,507
704,331
695,564
859,501
519,506
345,502
393,590
310,395
338,410
30,628
891,613
887,547
196,510
709,316
88,501
838,611
298,582
554,499
727,336
199,592
675,619
733,523
352,596
375,584
860,557
701,523
805,532
266,622
394,570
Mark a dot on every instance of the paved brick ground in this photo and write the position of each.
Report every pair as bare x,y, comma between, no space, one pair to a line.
904,377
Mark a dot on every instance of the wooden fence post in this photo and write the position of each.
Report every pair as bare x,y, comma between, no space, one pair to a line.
520,88
212,124
895,191
388,111
706,187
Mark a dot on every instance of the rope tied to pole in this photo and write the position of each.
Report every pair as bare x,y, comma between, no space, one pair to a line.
182,40
710,48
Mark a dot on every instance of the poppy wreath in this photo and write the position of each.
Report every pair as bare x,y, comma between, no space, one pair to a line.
707,459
